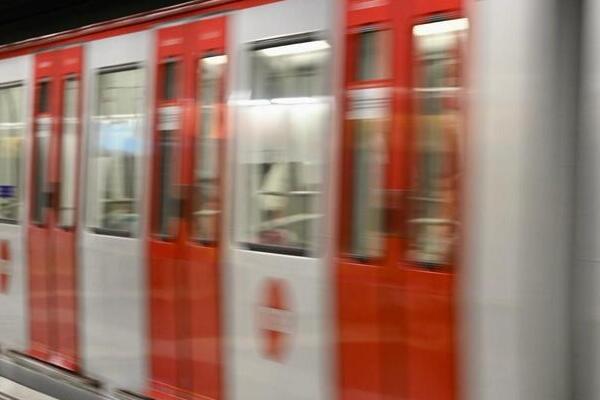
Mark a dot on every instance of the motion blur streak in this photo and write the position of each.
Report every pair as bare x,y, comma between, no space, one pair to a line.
303,199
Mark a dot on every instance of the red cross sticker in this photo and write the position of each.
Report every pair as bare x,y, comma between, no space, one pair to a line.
275,319
4,266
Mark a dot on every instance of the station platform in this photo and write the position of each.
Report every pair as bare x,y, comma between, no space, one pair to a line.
22,378
10,390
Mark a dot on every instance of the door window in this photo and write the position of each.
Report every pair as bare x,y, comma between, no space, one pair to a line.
439,127
206,206
168,153
116,152
374,55
68,153
41,148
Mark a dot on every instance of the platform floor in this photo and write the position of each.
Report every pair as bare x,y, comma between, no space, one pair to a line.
10,390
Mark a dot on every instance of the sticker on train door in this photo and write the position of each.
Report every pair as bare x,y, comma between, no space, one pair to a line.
275,319
4,266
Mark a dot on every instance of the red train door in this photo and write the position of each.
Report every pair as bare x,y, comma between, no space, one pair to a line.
399,196
53,213
186,210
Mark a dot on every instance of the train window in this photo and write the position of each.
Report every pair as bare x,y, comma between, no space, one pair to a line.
439,128
168,210
170,70
206,208
43,97
296,70
369,159
374,55
12,128
282,148
116,152
41,149
68,153
168,150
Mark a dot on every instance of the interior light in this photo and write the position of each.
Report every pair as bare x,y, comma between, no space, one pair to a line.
253,102
294,100
451,25
215,60
296,48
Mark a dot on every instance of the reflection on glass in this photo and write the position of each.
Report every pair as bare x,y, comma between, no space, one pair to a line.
368,166
68,154
116,155
206,208
43,130
282,147
434,218
11,145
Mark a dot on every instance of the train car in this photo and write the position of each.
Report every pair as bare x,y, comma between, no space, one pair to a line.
285,199
15,91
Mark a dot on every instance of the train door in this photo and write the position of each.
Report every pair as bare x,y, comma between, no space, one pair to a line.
186,209
113,269
278,282
399,217
53,212
15,75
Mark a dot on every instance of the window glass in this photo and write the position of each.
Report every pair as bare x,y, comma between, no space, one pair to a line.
369,159
168,188
168,155
206,207
68,153
116,152
43,97
11,149
290,70
281,150
41,148
439,131
170,69
374,55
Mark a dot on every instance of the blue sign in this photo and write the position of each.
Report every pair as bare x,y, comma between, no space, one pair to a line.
7,191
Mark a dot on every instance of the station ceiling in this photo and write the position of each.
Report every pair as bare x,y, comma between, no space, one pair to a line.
25,19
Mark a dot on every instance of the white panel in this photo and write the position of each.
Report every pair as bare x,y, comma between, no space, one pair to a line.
515,281
113,269
586,266
305,372
14,314
284,18
15,69
124,49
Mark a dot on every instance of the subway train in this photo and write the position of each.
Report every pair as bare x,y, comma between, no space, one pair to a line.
305,199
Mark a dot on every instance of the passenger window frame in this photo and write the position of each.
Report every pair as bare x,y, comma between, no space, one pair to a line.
240,222
91,173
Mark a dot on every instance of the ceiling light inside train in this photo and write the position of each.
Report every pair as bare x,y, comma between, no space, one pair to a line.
294,100
296,48
452,25
215,60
